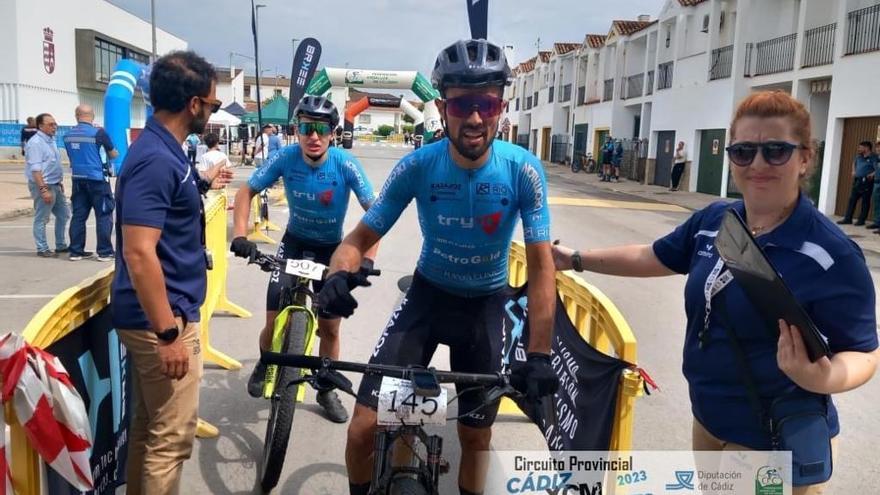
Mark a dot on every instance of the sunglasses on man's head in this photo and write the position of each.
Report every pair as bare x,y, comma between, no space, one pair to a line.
214,104
307,128
774,152
462,107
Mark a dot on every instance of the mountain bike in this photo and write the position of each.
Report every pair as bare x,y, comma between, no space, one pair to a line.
294,332
583,161
409,398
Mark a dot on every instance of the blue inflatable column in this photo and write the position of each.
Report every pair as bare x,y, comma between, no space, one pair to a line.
117,105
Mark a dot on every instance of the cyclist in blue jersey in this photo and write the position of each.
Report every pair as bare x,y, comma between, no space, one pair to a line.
317,180
470,191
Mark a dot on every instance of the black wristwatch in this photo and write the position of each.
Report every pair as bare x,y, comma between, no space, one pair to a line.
168,335
576,262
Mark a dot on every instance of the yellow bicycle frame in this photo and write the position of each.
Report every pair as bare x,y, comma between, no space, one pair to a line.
278,344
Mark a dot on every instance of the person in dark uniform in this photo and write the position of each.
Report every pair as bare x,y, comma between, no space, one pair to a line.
27,132
91,185
863,183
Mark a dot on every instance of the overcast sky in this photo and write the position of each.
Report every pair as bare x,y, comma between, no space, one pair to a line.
378,34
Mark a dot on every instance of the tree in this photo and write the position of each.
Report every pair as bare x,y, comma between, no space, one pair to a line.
384,130
407,128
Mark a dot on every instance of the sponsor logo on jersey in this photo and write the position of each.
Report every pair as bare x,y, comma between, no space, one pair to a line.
489,223
326,197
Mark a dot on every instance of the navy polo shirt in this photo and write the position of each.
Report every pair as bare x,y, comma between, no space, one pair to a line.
157,188
865,165
827,273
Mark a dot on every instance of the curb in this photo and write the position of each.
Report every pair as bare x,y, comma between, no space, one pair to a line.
17,212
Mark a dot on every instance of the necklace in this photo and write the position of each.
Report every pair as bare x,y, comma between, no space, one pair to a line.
757,230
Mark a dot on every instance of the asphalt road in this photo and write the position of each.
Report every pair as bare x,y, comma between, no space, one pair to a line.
315,465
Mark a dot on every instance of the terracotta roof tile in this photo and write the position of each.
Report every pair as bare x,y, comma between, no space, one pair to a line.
690,3
545,56
528,65
630,27
595,40
563,48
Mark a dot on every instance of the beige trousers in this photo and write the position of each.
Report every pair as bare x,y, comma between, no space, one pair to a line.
703,440
164,414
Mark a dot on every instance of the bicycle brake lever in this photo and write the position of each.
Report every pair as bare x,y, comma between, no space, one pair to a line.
327,379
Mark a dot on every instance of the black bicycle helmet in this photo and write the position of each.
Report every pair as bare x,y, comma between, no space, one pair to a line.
471,64
317,107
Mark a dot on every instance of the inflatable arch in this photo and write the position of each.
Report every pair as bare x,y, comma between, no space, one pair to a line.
425,122
127,75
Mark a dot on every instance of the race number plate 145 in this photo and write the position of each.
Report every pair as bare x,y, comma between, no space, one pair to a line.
399,404
305,268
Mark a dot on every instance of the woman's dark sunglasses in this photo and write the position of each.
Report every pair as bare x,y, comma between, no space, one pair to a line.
214,104
307,128
774,152
462,107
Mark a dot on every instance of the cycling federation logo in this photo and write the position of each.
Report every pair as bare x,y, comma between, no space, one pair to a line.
768,481
326,197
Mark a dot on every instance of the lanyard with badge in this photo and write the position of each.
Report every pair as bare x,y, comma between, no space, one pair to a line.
715,283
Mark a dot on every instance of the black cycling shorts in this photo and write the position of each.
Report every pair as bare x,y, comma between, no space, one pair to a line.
292,248
428,316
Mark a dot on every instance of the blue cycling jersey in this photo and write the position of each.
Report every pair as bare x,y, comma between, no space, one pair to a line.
317,196
466,216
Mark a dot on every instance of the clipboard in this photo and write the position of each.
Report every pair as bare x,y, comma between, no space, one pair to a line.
763,285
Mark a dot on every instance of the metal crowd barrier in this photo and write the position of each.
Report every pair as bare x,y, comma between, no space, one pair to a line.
602,325
75,305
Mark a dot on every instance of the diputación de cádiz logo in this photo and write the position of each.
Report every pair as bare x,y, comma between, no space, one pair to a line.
768,481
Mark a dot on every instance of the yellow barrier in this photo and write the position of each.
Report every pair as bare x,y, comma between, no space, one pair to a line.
73,306
602,325
260,224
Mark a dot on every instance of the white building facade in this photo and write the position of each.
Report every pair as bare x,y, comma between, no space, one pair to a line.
680,76
60,53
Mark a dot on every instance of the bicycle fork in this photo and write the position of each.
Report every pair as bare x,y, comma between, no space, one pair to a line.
384,468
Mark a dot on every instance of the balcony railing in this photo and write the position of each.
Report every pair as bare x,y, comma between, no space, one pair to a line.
650,88
550,93
609,90
722,63
776,55
634,85
863,30
566,93
819,45
664,75
582,95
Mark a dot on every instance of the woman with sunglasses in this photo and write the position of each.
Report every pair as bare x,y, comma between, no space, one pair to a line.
771,159
318,180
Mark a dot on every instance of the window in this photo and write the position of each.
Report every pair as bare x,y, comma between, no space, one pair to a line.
364,118
108,54
277,92
247,91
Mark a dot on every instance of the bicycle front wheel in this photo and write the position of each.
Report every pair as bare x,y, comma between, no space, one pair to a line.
407,486
283,403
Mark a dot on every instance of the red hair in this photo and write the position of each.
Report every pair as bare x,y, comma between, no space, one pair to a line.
767,104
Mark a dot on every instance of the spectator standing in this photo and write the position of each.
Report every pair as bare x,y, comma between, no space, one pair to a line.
27,132
91,185
680,159
274,143
45,175
607,158
617,159
213,157
192,147
160,279
876,194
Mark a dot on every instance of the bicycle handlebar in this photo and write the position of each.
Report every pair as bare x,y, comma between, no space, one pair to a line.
270,263
315,363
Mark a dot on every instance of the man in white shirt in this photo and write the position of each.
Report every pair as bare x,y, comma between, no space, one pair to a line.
261,145
679,160
213,156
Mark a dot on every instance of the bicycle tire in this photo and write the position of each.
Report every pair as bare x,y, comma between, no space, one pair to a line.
575,166
283,404
407,486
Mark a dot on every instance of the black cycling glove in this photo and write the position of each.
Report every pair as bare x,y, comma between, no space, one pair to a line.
536,378
335,297
244,248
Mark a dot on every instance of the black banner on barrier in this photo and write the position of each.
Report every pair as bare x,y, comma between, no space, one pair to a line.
588,380
384,101
478,15
99,369
304,64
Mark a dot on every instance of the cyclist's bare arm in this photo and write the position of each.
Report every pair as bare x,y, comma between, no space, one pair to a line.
242,210
359,242
373,251
541,295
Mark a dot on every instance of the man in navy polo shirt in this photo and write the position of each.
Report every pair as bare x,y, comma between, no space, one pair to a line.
91,185
160,278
